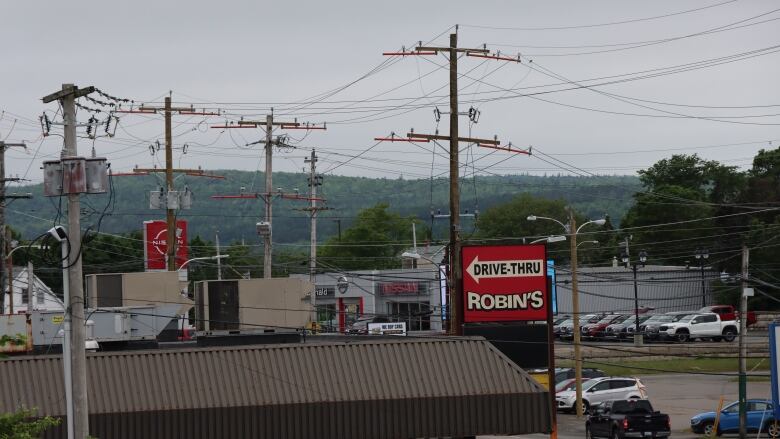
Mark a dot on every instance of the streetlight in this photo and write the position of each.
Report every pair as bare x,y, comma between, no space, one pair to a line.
549,239
701,255
627,263
202,258
572,230
587,242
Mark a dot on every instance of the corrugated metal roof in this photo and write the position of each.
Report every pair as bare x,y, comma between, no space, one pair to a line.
455,386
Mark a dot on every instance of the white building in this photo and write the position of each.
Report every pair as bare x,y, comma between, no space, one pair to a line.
43,298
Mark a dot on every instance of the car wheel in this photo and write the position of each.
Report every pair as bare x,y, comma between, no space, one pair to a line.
683,336
729,334
707,428
773,429
585,407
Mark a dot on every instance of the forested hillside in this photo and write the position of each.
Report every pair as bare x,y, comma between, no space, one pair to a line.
236,219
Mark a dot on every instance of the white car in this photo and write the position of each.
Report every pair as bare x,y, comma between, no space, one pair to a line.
693,326
597,390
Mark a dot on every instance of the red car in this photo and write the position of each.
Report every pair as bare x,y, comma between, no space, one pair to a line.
596,330
728,312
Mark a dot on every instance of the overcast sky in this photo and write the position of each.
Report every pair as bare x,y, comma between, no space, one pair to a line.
244,57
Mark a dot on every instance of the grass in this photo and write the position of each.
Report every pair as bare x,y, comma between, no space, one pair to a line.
618,367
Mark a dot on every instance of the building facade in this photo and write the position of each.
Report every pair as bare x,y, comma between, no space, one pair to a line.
413,296
42,297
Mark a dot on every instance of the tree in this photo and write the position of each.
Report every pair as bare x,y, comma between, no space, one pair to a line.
509,221
23,424
678,189
373,241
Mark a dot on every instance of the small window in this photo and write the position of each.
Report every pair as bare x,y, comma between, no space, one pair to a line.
24,296
734,408
605,385
710,318
757,407
40,297
621,384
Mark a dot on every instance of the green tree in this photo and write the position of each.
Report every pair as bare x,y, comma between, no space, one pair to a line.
682,188
509,222
373,241
23,424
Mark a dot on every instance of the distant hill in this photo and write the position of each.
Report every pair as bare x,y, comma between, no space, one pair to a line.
236,219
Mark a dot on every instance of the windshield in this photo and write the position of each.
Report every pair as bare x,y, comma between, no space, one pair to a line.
643,319
686,319
665,319
607,319
567,322
680,317
624,318
638,406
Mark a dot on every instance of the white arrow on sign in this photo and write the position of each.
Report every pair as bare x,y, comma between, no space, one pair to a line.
497,269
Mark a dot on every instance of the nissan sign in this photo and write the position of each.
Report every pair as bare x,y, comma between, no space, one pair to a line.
504,283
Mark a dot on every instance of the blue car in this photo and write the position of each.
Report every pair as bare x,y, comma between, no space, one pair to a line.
759,415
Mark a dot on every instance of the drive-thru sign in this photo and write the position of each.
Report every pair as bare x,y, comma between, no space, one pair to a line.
504,283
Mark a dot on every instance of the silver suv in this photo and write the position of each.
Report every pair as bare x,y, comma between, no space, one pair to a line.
598,390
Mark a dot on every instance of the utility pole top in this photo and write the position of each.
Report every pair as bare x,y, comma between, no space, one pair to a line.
68,90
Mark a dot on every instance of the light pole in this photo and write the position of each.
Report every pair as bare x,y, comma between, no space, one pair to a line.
572,230
627,262
701,255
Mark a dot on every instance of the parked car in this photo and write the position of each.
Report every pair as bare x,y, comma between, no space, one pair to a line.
597,330
627,418
650,328
698,326
361,325
598,390
559,324
729,312
568,373
760,415
623,329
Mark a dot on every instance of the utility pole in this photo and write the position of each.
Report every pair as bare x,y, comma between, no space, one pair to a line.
742,347
267,249
456,295
3,243
79,421
268,196
575,303
314,181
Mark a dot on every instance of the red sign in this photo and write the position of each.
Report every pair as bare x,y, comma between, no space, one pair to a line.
504,283
399,288
156,244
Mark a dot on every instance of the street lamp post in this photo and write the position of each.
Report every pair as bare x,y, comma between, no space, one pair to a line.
627,262
701,255
572,230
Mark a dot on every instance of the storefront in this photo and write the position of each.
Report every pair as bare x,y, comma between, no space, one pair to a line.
412,296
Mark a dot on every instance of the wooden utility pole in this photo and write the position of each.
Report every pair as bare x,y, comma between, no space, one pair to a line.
269,142
3,243
313,183
170,214
269,187
170,210
742,346
455,293
74,321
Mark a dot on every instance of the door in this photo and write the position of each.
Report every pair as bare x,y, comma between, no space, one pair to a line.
729,418
756,412
712,325
600,392
599,424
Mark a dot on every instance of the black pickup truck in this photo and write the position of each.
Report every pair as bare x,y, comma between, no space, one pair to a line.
632,418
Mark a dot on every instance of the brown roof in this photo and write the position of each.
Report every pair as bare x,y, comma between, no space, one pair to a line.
377,388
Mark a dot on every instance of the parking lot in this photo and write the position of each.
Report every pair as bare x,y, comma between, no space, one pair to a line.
681,396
